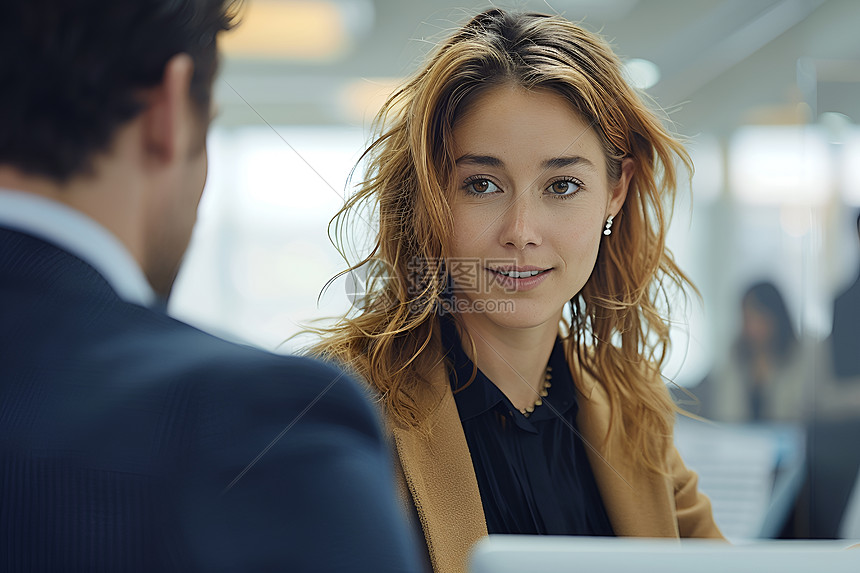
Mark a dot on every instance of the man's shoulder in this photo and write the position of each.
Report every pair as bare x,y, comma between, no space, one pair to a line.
77,333
201,355
230,390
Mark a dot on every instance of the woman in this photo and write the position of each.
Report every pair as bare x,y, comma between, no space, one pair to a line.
516,178
763,378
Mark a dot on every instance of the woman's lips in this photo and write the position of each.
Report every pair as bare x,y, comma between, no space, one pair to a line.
518,279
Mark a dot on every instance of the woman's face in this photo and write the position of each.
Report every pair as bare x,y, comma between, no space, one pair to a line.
529,205
759,326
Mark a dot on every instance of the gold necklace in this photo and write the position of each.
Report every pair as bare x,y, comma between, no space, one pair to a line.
542,393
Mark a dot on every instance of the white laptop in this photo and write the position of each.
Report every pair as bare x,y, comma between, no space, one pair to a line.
563,554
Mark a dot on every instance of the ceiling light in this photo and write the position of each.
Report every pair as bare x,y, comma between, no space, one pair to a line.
642,74
303,30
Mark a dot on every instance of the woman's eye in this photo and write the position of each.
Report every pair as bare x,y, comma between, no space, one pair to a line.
481,186
564,187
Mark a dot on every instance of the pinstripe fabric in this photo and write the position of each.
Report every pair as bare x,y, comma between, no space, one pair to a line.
120,428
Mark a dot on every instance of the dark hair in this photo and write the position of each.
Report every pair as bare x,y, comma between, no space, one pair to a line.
72,72
766,299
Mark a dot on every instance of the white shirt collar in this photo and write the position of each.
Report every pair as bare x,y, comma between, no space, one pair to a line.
81,236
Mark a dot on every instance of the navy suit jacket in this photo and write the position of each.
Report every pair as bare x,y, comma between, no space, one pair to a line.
130,441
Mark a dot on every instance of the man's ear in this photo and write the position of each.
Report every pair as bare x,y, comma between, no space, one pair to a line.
618,193
166,125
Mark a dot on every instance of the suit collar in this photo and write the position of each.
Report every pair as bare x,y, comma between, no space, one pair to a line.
37,266
77,234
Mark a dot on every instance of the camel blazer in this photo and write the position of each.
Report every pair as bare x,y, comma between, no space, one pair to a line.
438,480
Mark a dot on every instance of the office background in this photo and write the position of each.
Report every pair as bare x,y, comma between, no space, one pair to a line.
767,93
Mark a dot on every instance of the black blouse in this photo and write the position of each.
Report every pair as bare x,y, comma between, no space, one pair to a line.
533,473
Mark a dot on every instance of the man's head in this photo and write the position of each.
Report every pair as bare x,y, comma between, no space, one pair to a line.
97,91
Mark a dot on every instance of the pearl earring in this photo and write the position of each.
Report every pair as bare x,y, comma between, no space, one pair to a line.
608,229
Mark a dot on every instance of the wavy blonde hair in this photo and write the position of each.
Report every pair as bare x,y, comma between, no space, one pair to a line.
616,330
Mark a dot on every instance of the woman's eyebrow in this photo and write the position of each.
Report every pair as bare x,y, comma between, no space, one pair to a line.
567,161
552,163
485,160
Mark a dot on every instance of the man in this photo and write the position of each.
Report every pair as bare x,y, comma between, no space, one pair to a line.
845,338
130,441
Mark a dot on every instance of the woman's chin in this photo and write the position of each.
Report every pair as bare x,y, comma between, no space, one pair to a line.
507,313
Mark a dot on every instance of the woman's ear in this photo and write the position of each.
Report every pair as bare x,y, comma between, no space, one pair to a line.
618,193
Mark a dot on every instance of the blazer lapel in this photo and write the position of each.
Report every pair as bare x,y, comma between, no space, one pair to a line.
441,480
437,469
638,503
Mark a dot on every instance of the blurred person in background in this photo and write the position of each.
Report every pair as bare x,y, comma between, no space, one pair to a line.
763,378
845,337
515,178
827,505
128,440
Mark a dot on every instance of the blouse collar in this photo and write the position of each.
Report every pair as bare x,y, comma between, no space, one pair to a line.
481,395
